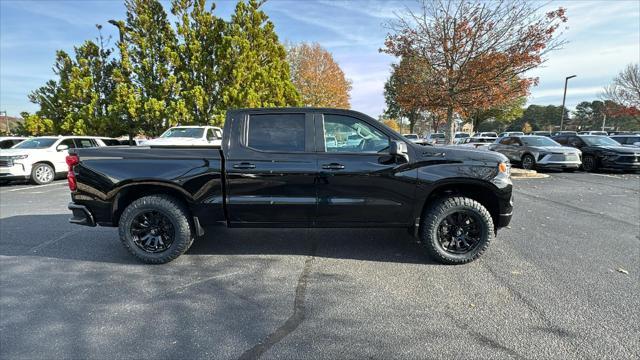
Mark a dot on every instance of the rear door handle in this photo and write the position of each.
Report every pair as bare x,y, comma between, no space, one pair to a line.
333,166
244,165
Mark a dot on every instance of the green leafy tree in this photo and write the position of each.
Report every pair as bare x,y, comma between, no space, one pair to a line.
200,51
153,53
255,72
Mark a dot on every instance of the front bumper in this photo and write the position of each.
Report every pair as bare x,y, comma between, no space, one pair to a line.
81,215
559,161
622,163
15,172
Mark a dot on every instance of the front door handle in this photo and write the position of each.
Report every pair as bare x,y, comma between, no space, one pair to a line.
333,166
244,165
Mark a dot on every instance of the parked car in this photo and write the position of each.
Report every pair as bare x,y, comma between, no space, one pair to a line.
602,152
627,140
7,142
511,133
271,172
435,139
542,133
413,137
477,142
604,133
41,159
188,135
487,134
532,151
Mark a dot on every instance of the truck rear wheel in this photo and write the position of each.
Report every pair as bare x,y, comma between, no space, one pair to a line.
456,230
156,229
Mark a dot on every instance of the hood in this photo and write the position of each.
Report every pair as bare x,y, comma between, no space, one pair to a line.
620,149
464,153
14,152
174,141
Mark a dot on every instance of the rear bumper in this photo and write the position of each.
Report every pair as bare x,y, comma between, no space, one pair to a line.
81,215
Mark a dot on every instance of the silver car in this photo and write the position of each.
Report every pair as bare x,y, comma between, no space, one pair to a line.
537,152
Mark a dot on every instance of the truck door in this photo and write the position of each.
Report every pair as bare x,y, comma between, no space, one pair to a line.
271,170
357,184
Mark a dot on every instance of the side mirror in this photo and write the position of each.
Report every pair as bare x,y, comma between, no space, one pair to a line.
62,147
398,149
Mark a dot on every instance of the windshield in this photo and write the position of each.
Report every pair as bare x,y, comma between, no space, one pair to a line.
437,136
37,143
538,141
183,132
598,140
411,136
461,136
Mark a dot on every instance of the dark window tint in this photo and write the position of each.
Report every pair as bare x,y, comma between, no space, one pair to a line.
210,135
5,144
506,141
277,132
68,142
84,143
561,140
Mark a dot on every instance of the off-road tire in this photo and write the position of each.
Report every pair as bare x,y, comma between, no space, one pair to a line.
44,168
433,216
589,163
172,209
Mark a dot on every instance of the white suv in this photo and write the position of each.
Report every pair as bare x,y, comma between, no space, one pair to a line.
188,135
40,159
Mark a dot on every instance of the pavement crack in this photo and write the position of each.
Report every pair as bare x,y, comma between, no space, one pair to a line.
294,320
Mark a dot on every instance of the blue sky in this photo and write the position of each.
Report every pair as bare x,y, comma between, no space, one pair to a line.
603,37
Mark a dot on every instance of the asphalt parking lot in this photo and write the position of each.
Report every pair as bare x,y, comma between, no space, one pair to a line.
562,282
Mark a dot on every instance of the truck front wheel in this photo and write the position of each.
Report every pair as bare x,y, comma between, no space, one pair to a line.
156,229
456,230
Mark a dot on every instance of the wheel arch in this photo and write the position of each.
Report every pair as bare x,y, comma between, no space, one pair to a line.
476,190
133,192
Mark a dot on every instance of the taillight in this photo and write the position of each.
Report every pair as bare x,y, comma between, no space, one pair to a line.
72,160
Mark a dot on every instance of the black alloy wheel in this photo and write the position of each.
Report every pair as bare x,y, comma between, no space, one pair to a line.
589,163
152,231
528,162
460,232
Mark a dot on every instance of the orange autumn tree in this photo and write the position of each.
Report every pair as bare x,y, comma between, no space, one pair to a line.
318,78
475,53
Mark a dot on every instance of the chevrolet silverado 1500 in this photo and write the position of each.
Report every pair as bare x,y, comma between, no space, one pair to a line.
277,168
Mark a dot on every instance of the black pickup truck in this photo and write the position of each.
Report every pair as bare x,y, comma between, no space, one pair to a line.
294,167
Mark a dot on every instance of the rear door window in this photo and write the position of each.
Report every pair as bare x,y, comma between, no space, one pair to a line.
84,143
277,132
69,143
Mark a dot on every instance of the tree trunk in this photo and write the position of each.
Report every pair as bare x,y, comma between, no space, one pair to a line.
450,125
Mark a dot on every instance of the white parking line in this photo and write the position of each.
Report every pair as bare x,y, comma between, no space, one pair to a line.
609,176
33,187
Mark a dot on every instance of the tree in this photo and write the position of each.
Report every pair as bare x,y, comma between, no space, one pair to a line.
317,77
501,116
625,89
152,49
200,51
37,125
255,72
403,91
392,123
475,52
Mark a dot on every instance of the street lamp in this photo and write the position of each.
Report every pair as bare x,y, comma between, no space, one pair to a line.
564,97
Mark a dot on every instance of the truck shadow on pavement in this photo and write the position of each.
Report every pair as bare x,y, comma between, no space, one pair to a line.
53,237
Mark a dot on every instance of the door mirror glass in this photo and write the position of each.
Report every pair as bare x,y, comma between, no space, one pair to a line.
62,147
398,149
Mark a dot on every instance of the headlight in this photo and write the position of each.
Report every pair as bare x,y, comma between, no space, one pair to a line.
18,157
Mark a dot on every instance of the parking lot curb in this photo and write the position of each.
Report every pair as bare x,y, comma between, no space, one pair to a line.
526,174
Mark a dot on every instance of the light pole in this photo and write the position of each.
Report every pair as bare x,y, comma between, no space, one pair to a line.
564,97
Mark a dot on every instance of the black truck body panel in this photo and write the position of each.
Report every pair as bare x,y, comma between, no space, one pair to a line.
241,186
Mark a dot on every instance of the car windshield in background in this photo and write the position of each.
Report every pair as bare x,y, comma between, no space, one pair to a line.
437,136
411,136
598,140
183,132
458,136
538,141
38,143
